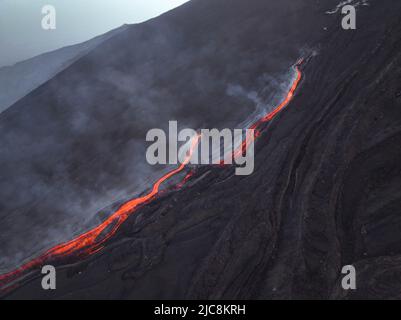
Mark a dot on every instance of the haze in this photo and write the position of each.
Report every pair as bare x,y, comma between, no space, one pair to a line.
22,37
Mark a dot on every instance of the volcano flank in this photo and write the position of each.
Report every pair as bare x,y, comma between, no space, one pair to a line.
76,191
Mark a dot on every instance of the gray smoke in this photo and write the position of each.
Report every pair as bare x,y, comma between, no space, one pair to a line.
76,145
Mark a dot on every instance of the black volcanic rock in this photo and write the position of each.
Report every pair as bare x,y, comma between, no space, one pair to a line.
325,192
76,145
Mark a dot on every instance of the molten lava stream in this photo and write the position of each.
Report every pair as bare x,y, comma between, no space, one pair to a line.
89,242
250,138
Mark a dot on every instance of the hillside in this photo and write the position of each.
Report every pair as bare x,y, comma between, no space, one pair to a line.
18,80
325,192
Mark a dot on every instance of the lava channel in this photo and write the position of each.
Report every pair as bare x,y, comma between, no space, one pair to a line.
93,240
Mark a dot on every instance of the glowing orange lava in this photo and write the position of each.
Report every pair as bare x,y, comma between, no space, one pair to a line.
93,240
89,242
250,136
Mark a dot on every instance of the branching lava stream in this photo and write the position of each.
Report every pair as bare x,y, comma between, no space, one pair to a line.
93,240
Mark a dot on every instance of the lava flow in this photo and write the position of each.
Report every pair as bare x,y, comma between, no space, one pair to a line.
255,133
93,240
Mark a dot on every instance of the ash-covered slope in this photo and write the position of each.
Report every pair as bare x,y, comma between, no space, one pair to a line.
77,144
18,80
325,193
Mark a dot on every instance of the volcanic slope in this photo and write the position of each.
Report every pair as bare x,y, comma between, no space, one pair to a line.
325,192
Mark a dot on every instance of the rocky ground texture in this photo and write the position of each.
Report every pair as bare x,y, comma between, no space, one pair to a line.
325,193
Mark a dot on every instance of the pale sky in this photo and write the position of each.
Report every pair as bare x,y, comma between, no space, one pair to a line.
22,37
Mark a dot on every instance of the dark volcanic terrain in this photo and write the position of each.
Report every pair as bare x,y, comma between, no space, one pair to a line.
326,188
76,145
18,80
